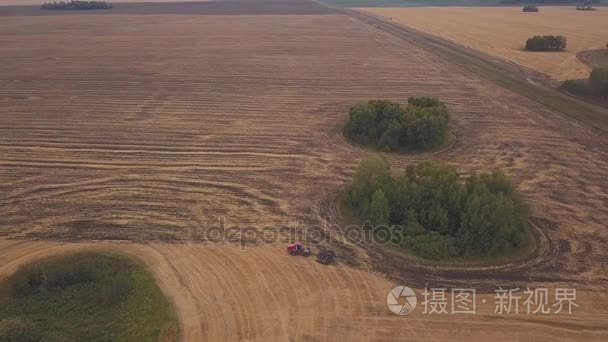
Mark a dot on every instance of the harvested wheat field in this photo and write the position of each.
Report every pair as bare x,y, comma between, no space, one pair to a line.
502,32
226,294
139,133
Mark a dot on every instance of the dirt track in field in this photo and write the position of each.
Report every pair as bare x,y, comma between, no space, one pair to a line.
148,128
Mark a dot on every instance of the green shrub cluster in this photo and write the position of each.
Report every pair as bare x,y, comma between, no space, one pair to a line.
598,81
420,125
434,213
76,5
81,297
47,277
546,43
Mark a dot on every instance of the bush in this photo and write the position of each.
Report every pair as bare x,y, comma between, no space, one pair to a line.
530,8
42,277
546,43
420,125
76,5
432,246
378,209
598,81
435,214
424,102
586,6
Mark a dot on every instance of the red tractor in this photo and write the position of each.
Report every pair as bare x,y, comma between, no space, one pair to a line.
298,249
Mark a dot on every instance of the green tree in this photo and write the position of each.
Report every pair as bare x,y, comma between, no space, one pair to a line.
475,229
546,43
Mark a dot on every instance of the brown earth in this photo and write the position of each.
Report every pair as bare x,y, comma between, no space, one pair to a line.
38,2
149,128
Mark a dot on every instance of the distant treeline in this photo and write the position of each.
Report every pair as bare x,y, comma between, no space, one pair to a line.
76,5
546,43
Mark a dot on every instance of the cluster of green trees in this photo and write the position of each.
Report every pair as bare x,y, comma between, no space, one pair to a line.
76,5
586,6
530,8
42,278
434,213
596,85
390,126
81,297
546,43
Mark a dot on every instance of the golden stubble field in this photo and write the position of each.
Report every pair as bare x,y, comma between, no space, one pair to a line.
226,294
502,32
137,132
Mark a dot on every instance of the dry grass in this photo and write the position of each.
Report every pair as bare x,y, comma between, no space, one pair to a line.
502,32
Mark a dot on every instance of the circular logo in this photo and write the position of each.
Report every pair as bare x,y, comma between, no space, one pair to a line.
401,300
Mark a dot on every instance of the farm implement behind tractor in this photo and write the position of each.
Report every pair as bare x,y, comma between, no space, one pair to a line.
325,256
